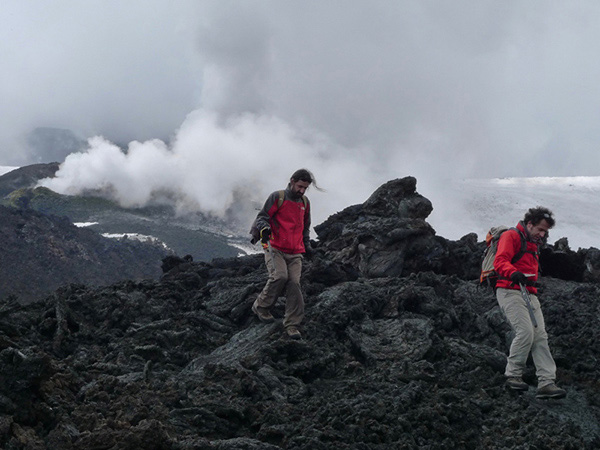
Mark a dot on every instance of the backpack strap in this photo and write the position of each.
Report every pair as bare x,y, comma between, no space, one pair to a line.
523,249
282,196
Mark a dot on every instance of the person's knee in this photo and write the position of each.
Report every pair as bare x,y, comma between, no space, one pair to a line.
280,278
524,336
292,284
292,279
541,336
292,288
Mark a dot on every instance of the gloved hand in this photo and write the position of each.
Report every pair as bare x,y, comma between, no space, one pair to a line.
308,251
265,235
518,278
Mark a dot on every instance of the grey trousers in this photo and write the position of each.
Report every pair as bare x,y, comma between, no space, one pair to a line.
527,338
284,274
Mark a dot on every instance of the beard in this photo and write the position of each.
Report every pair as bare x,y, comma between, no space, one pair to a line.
540,240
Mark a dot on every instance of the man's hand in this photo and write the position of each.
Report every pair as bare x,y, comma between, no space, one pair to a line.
265,235
518,278
308,251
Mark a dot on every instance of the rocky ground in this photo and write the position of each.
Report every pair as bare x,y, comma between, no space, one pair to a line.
402,349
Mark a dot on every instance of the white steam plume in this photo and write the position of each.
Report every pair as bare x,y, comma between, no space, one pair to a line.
215,164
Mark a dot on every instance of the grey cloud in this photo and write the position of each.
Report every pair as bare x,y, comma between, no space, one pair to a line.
375,90
124,69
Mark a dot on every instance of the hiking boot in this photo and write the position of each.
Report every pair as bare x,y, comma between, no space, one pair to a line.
293,333
551,391
263,314
517,383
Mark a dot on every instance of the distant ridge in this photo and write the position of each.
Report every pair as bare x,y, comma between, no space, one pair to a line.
201,236
6,169
25,177
40,253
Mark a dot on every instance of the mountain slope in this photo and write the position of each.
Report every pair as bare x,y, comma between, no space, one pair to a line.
201,236
41,252
25,177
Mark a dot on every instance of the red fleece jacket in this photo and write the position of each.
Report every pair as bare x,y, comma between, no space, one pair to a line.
290,223
508,246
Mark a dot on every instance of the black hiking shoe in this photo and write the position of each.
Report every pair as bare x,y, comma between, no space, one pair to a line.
516,383
263,314
293,332
551,391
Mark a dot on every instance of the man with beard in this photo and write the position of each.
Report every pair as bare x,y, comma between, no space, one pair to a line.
284,224
517,265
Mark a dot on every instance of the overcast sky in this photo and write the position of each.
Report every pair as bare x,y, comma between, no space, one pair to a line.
360,92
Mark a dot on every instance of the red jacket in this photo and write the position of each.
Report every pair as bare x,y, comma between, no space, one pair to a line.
289,224
508,246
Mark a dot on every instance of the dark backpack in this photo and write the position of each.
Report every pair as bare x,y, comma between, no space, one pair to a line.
255,232
489,275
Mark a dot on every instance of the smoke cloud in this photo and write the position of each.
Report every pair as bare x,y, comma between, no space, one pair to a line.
211,166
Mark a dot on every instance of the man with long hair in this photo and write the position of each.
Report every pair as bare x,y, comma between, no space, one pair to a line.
284,224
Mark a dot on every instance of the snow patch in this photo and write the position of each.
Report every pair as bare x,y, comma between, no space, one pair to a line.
247,249
475,205
137,237
84,224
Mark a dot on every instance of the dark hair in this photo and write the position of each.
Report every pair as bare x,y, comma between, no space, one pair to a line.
305,175
536,215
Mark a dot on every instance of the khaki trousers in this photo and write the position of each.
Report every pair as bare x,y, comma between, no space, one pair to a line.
284,273
527,338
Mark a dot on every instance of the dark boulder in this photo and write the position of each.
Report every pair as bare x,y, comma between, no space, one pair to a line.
385,236
171,262
591,265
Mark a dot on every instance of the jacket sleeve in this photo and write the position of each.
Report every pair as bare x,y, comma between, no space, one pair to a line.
306,231
267,211
508,246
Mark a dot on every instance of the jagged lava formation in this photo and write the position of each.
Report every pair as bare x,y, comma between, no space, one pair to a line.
402,349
